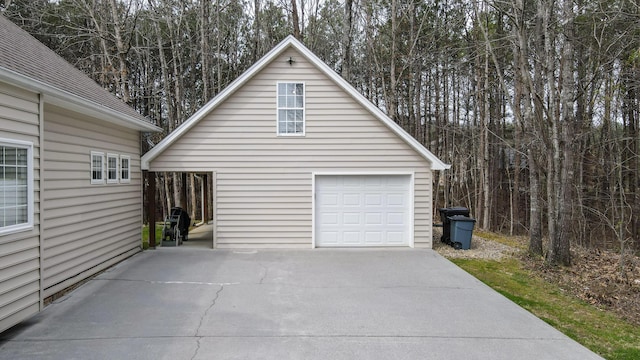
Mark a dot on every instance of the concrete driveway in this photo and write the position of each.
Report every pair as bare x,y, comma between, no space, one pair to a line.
195,303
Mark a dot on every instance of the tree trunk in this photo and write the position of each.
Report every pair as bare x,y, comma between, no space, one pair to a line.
563,132
295,19
346,39
122,77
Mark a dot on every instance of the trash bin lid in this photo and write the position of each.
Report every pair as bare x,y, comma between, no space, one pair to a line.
454,208
461,218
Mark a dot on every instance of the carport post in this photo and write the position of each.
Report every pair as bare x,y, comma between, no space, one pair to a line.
205,196
183,192
151,207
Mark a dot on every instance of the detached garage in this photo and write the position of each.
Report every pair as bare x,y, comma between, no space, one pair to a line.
300,159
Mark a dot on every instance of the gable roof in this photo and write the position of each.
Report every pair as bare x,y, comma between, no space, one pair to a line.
291,42
27,63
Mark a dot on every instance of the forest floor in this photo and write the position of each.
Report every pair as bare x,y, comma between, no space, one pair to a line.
595,276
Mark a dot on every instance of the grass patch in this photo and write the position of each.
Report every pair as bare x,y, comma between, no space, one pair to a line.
598,330
145,235
513,241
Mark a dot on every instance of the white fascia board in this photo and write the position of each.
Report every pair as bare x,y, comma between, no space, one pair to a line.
75,103
436,163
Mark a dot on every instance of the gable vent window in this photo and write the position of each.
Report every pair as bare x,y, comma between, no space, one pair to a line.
291,109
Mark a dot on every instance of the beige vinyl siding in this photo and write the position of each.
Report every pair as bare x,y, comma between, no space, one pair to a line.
87,227
20,251
264,181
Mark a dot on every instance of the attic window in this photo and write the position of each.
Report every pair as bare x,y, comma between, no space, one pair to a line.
290,109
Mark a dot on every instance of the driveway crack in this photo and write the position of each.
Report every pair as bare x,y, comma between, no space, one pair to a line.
204,315
264,274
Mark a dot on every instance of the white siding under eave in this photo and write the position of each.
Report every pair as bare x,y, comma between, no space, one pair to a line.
20,252
264,182
87,227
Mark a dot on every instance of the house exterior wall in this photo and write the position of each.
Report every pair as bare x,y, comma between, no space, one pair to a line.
87,227
20,251
263,193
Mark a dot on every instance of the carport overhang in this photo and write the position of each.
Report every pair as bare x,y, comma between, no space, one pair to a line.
149,191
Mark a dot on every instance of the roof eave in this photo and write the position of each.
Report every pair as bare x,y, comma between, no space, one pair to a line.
436,163
212,104
73,102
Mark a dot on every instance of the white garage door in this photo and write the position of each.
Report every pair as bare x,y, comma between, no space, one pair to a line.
363,210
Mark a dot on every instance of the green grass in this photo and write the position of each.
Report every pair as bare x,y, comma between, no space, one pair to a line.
145,235
513,241
598,330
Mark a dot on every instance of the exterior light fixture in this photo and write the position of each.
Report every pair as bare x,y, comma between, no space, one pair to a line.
291,60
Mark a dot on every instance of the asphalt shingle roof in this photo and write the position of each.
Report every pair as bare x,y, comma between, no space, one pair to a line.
22,53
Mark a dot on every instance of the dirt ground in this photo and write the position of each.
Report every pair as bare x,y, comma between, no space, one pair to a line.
601,278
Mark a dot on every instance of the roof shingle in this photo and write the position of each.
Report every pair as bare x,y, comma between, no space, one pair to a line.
23,54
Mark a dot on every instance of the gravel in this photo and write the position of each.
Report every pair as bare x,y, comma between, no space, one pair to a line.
480,248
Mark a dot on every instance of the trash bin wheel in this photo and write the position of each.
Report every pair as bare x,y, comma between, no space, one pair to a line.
457,245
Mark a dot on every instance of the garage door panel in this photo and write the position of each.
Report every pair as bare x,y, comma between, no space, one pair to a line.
328,200
351,182
373,238
329,218
351,199
329,237
373,199
395,219
363,210
373,182
351,237
396,200
394,237
373,218
351,219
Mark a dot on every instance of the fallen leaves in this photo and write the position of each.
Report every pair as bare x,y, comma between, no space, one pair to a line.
601,278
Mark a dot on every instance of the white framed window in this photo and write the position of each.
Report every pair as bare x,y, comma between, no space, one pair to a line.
16,186
291,114
97,167
125,168
112,168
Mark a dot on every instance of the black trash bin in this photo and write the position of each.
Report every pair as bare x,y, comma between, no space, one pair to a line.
461,231
445,213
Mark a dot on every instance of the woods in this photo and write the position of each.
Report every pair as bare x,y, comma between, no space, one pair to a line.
535,103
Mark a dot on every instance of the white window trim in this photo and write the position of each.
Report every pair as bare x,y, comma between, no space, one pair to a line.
304,109
30,196
102,179
117,172
128,158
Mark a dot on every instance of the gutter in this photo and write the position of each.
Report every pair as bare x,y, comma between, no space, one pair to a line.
76,103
